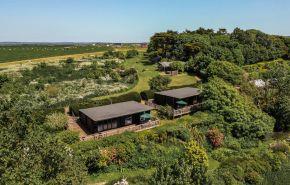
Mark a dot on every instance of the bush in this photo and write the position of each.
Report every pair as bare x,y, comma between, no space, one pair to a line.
3,79
147,94
132,53
68,137
159,83
280,146
56,121
69,60
165,112
177,66
215,137
253,178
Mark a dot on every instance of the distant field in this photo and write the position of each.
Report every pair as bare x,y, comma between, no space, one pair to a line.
25,52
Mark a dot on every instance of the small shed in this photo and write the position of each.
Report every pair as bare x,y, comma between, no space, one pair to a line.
98,119
164,66
177,98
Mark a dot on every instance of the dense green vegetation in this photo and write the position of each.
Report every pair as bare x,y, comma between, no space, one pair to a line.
230,140
26,52
239,47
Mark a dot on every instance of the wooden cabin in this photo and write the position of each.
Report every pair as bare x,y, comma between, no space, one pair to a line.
182,100
103,118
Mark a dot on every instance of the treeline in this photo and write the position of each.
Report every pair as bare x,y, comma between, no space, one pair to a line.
240,47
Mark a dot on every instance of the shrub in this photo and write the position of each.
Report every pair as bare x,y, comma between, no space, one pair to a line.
196,135
165,112
3,79
56,121
132,53
280,146
147,94
159,83
52,91
69,60
253,178
215,137
68,137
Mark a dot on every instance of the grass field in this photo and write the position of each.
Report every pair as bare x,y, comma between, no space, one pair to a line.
26,52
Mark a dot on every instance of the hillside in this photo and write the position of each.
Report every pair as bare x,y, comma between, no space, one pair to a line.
238,133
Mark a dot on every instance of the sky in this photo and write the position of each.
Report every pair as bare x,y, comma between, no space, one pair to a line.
134,20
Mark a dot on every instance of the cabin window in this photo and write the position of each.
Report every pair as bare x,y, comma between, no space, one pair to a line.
114,124
109,125
105,126
128,120
100,128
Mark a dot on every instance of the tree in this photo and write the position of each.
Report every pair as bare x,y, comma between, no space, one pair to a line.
281,112
199,64
225,70
177,66
242,117
132,53
29,154
159,83
196,156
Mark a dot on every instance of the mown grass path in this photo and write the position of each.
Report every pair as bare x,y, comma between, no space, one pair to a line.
146,71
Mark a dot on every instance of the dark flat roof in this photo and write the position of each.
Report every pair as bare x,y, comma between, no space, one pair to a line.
115,110
181,92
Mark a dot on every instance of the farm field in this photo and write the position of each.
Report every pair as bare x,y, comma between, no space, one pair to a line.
29,63
26,52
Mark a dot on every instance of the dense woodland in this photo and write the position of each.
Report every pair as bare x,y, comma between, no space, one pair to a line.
238,137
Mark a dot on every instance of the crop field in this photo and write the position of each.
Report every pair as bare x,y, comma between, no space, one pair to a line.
25,52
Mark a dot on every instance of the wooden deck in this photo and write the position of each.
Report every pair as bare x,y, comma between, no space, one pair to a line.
177,112
185,110
131,128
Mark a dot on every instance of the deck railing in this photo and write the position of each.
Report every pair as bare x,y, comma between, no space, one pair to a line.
132,128
186,110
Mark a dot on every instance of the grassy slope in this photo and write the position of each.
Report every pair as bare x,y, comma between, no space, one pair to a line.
146,71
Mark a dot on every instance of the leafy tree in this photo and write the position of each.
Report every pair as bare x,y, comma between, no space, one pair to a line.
225,70
30,155
159,83
199,64
243,118
281,112
132,53
177,66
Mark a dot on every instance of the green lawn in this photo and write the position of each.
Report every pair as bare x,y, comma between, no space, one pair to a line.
145,72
